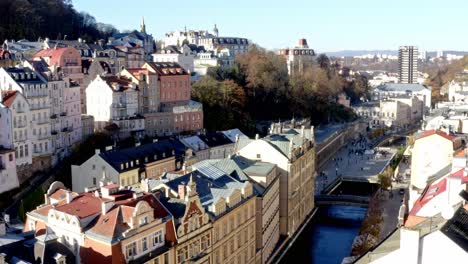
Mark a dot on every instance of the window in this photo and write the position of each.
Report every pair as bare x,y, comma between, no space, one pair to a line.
166,258
10,157
259,156
158,239
94,180
131,250
144,244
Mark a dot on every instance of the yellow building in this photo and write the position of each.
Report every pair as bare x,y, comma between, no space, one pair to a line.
214,217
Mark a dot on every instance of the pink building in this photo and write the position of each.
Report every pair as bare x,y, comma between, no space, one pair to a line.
69,61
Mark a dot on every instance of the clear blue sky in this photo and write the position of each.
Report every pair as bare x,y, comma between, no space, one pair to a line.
328,25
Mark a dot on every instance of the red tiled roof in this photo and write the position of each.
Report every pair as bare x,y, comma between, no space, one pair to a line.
413,220
461,174
115,220
430,192
110,186
427,133
8,97
123,82
59,194
54,54
460,153
166,68
82,206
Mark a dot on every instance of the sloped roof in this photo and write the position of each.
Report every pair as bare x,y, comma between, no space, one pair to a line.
403,87
428,133
54,54
8,97
153,151
457,228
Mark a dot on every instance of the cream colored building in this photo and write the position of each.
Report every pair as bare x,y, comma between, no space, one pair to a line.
432,151
214,216
293,151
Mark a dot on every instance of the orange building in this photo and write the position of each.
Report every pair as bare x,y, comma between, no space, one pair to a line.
106,225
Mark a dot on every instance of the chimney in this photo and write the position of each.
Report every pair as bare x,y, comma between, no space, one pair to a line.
182,191
2,258
257,137
137,144
97,151
106,206
68,197
2,228
237,138
302,131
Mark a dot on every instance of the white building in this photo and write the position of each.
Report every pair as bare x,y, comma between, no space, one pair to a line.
183,56
8,175
390,90
65,108
298,56
114,100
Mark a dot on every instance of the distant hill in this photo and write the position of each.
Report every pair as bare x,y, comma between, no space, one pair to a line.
56,19
352,53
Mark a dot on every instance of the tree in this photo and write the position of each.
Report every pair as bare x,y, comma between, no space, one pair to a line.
323,61
385,178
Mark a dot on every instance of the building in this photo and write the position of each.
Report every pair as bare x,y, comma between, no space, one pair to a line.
68,61
129,166
182,56
458,91
34,128
214,217
8,174
397,112
298,57
87,123
293,151
165,99
113,100
200,149
390,90
265,180
432,151
65,109
407,64
106,225
220,146
136,39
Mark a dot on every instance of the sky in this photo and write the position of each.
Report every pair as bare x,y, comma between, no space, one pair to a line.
328,25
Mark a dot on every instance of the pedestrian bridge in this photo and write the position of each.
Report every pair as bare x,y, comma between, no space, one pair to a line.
338,180
334,199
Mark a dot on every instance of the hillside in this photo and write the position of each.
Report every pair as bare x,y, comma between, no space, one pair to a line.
439,76
56,19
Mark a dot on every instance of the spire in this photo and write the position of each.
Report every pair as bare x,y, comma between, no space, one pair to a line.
143,26
215,31
192,187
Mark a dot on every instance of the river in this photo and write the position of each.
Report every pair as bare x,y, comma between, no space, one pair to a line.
328,237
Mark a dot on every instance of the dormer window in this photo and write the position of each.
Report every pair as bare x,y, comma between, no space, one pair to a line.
143,220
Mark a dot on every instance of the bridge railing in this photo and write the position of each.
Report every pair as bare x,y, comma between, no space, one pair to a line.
342,198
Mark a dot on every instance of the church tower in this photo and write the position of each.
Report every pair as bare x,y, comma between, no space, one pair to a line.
143,26
215,31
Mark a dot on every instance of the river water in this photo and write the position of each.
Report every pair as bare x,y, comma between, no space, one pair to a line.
328,237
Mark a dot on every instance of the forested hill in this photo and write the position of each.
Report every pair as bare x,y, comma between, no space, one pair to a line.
34,19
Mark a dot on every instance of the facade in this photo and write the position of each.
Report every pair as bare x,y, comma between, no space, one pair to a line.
128,167
165,99
68,61
8,174
35,91
432,151
115,225
114,100
214,215
264,177
458,91
390,90
65,109
408,64
293,151
298,56
183,56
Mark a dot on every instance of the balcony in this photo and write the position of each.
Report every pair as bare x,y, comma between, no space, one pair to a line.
42,136
119,105
67,129
54,133
63,114
42,122
54,116
20,125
